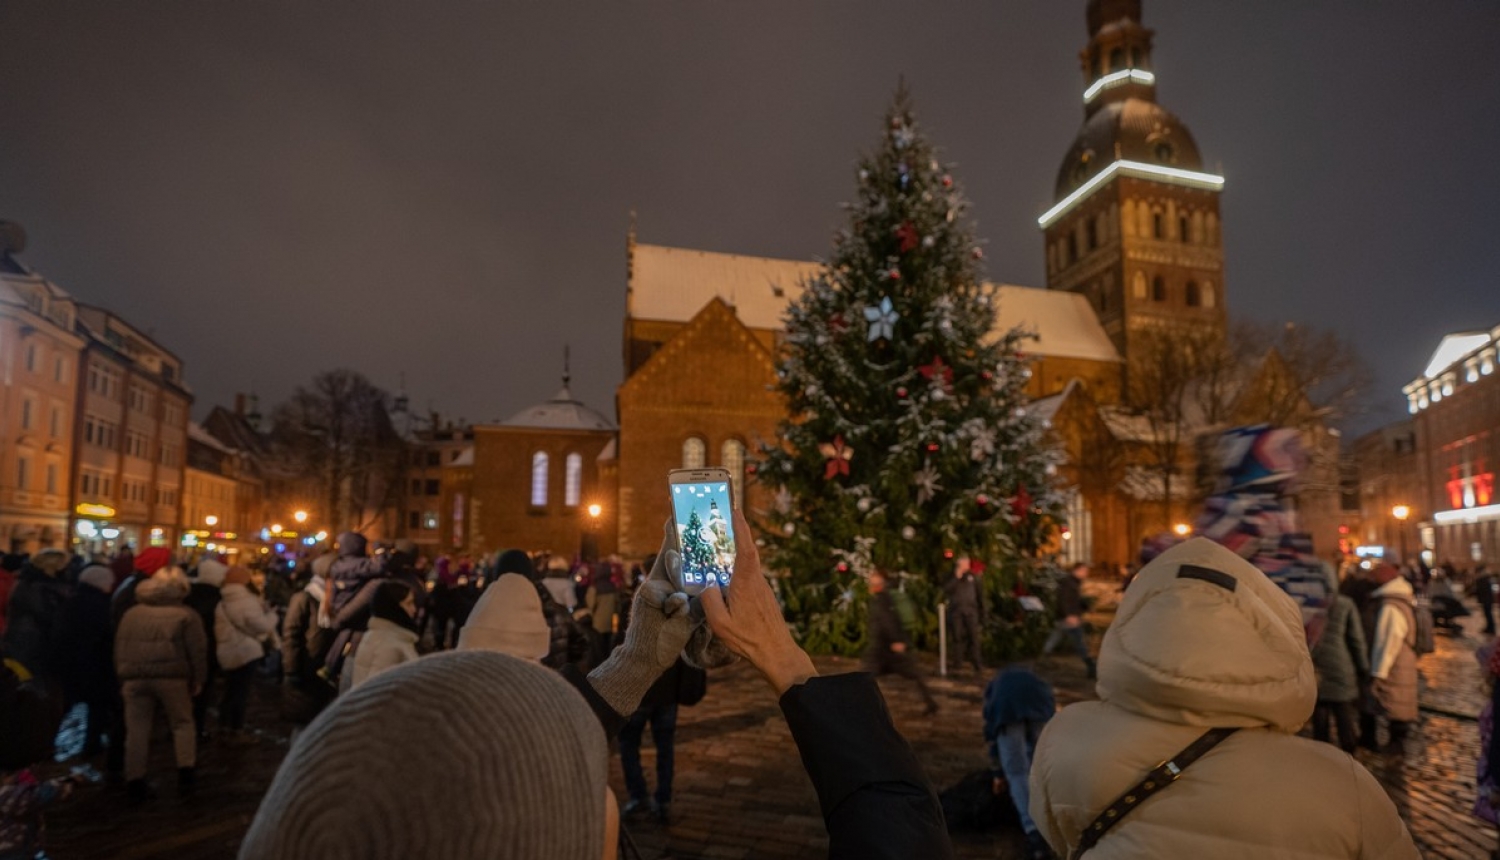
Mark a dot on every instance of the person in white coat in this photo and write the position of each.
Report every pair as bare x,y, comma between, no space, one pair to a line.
244,628
1393,656
392,635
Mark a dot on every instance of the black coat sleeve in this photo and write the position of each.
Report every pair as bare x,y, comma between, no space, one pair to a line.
877,802
609,719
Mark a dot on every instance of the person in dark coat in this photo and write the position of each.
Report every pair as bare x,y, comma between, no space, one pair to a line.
1485,586
1017,706
123,566
1069,625
1359,588
32,630
87,640
964,600
890,650
1343,665
203,598
10,568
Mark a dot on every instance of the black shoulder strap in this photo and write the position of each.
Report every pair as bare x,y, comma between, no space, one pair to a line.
1159,778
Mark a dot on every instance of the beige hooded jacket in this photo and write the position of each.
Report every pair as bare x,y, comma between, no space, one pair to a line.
1202,640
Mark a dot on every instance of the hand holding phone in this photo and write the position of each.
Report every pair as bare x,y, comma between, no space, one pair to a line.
703,516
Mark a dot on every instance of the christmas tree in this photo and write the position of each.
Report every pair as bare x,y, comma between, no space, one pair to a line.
697,553
909,440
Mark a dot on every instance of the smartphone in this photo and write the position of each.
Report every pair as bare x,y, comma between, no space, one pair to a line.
703,513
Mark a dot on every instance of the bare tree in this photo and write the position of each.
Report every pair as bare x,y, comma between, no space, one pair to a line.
337,432
1178,379
1319,371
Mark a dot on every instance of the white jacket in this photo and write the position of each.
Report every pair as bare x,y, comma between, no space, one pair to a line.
243,627
1390,628
384,646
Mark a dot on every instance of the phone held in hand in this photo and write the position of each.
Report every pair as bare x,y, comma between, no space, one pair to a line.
704,520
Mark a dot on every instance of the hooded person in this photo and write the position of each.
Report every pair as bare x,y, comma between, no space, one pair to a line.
244,628
161,658
508,618
443,604
150,560
203,598
1393,655
1343,665
304,645
559,583
349,578
1203,640
391,638
33,632
570,642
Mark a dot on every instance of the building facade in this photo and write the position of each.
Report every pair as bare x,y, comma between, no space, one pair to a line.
131,437
1455,409
39,357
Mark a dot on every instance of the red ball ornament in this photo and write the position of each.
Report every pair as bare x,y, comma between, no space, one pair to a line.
842,567
901,392
986,375
978,253
932,447
947,181
947,553
894,274
750,468
982,499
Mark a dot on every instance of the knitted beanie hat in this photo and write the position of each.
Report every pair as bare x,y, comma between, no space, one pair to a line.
518,751
508,618
98,576
514,561
211,572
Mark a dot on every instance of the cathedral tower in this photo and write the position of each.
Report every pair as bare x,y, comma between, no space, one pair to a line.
1135,223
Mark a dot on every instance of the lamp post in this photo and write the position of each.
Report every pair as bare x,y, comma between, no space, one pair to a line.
589,548
210,520
300,516
1401,513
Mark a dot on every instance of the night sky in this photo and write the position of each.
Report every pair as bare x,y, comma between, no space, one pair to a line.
441,190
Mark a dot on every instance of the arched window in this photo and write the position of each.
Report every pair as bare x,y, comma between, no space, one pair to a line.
1158,226
539,479
1207,295
572,479
1158,289
1117,60
1182,228
1091,231
734,462
1138,286
1072,247
694,453
1194,295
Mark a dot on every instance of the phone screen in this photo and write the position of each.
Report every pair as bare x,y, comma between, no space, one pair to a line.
705,533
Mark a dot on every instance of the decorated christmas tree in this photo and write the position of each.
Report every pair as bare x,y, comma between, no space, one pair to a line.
697,553
908,440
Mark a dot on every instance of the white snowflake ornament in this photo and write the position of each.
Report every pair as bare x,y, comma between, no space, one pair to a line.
882,319
927,482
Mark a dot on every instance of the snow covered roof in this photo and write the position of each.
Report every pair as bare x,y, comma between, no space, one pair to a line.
203,437
1045,408
1453,348
610,452
673,285
1064,324
562,412
464,458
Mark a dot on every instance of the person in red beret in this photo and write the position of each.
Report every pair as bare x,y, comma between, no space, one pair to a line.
147,564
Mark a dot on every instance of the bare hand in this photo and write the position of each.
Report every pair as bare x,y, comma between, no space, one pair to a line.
1071,621
898,647
746,616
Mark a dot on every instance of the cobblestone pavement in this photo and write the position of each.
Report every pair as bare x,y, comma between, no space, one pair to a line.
740,790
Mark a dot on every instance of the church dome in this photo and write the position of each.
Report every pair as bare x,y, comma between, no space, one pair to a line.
562,412
1131,129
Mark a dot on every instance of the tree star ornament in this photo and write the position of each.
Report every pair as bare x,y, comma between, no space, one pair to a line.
838,455
882,319
927,482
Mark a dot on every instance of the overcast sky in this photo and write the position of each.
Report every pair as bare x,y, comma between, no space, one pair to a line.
441,190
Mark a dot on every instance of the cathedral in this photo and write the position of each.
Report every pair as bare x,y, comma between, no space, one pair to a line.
1132,244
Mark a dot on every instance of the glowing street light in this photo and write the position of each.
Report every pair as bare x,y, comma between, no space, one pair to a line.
1401,512
595,510
211,520
300,516
276,529
1182,529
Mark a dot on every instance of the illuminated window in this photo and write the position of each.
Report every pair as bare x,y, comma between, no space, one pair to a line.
694,453
1158,289
1165,152
1138,286
572,479
1209,299
734,462
1194,295
539,479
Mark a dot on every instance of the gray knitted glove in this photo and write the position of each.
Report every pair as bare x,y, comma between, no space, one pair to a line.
659,628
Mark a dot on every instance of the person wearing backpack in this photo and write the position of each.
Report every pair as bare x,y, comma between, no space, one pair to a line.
890,650
1393,655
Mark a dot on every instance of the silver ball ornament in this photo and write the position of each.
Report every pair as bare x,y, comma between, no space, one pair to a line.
908,532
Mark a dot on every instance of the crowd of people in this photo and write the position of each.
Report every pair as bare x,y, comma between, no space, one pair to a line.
1205,665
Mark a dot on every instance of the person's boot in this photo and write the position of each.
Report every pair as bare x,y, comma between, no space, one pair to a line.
139,791
187,780
1037,847
1397,744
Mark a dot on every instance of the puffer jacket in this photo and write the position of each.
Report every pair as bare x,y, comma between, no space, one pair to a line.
159,637
1393,657
1203,640
385,645
1340,657
243,625
35,619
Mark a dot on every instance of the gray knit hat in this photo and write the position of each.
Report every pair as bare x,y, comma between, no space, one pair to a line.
472,754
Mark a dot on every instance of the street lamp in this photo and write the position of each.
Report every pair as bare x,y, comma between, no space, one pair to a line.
595,510
276,529
211,520
1182,529
588,548
1401,512
300,516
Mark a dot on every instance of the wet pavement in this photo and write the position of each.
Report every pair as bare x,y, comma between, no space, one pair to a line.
740,791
